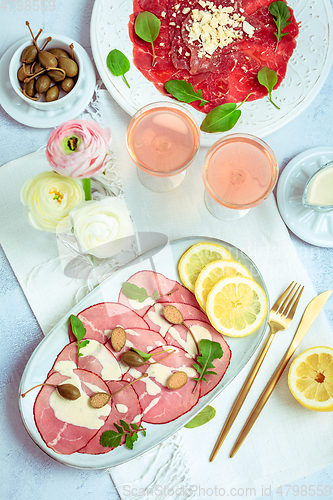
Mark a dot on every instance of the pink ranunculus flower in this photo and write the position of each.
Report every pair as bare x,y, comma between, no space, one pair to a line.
78,148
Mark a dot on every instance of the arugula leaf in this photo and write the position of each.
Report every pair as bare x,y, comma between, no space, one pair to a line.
184,91
147,27
133,292
143,355
156,295
111,439
268,78
209,351
202,418
118,64
79,332
281,15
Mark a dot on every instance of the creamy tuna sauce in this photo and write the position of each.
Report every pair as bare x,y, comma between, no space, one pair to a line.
110,366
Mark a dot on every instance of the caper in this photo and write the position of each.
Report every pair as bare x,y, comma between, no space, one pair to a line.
43,84
69,391
23,72
29,54
56,76
52,94
47,59
58,53
29,88
68,65
38,67
132,358
67,85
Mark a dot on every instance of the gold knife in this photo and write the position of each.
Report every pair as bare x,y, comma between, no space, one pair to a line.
311,312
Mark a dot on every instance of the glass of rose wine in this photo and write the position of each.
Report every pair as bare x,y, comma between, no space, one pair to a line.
239,172
162,140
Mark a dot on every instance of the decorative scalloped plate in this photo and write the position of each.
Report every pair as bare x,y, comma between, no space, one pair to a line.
307,70
310,225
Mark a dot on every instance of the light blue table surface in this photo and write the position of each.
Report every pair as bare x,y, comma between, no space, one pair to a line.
26,472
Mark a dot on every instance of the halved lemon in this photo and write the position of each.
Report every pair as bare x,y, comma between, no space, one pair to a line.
310,378
196,258
236,306
214,272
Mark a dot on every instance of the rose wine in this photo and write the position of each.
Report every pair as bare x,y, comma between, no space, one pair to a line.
240,171
162,140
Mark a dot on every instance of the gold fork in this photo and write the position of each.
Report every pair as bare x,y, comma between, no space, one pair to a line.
280,317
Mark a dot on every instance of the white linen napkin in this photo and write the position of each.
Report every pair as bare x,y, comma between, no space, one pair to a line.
287,441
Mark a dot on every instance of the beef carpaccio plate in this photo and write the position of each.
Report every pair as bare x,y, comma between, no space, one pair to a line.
221,56
72,436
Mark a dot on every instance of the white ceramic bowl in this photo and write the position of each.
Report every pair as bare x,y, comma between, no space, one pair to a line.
61,42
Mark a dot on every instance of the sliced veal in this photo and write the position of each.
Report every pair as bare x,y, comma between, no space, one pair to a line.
156,321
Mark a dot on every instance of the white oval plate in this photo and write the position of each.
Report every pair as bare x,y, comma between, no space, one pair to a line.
307,70
163,261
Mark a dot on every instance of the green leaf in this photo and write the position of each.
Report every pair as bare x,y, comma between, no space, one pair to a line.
143,431
118,64
134,437
184,91
111,439
83,343
202,418
77,327
281,14
209,351
221,118
125,425
268,78
129,442
144,355
133,292
134,426
156,295
120,429
147,27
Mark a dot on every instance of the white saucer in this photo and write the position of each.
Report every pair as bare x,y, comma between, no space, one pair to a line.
32,117
308,224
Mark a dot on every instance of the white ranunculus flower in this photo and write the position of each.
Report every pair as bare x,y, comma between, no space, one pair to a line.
49,197
103,228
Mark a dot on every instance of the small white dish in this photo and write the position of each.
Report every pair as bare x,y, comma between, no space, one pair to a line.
308,224
60,42
24,113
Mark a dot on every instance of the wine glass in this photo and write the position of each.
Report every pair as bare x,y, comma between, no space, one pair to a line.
239,172
162,140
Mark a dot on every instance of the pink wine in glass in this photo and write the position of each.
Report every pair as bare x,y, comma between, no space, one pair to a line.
240,171
162,139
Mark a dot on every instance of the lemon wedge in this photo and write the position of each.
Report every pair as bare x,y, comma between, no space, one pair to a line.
196,258
236,306
310,378
214,272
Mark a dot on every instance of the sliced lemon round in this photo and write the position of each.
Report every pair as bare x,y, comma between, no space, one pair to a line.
236,306
214,272
310,378
196,258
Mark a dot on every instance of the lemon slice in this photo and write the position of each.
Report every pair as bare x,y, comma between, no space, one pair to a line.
310,378
236,306
214,272
196,258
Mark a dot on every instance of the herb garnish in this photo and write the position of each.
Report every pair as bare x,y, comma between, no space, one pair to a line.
147,27
268,78
133,292
184,91
112,439
79,332
222,118
281,14
118,64
145,356
209,351
202,418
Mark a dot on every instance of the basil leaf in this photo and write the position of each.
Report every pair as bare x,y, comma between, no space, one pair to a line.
144,355
147,27
268,78
221,118
133,292
77,327
184,91
281,14
118,64
202,418
110,438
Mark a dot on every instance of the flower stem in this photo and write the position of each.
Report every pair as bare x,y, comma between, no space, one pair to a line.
87,188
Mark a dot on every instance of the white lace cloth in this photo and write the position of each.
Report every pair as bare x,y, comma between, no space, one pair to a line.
287,441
